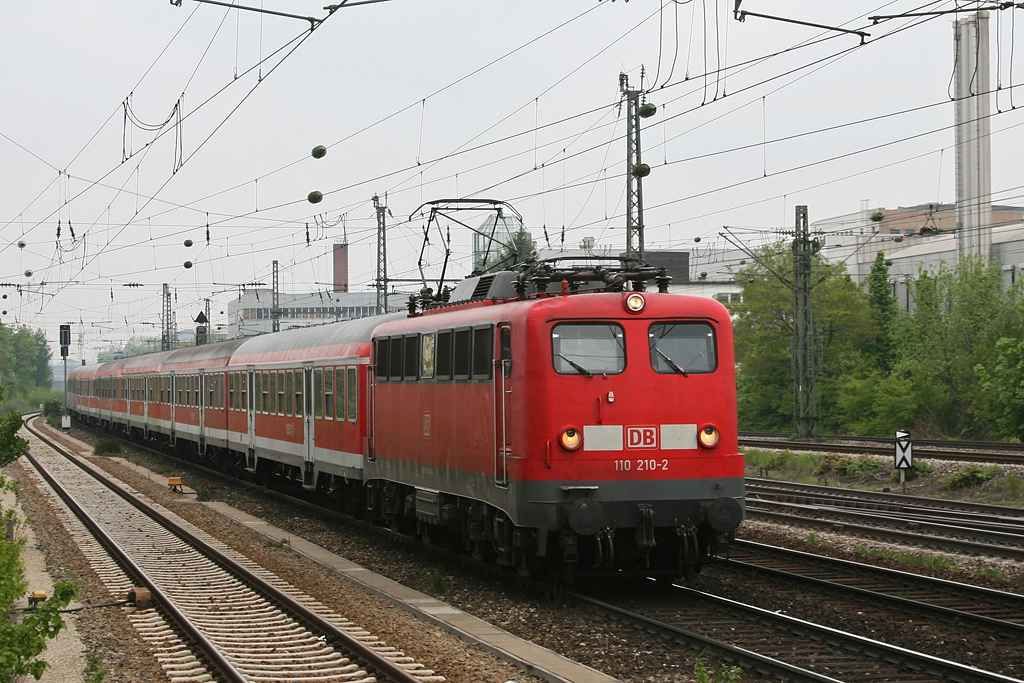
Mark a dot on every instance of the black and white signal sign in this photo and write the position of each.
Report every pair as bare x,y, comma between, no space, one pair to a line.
904,451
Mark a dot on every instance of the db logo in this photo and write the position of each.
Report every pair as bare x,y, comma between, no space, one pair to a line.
641,437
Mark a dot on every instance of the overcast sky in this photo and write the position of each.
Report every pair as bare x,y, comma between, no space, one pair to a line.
138,123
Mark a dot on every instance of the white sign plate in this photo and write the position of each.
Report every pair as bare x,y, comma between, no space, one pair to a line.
904,451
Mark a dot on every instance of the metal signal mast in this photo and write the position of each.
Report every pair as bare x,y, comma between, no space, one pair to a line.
636,170
381,283
166,319
805,336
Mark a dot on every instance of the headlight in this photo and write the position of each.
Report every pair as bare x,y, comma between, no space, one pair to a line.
708,436
635,302
571,439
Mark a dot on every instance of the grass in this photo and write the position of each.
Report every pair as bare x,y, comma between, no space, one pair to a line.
913,559
203,495
989,573
1012,485
720,674
94,671
106,446
279,544
815,539
780,461
436,584
913,472
971,476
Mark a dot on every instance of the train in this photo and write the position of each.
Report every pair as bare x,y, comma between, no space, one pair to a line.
550,418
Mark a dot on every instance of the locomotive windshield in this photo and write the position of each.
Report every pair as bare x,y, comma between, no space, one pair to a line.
682,348
588,349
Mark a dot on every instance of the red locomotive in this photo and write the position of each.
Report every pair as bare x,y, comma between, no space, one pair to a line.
584,429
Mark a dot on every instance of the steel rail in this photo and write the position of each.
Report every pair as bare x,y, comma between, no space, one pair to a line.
875,649
1007,456
207,649
373,659
891,576
941,542
738,655
893,498
1008,446
1004,626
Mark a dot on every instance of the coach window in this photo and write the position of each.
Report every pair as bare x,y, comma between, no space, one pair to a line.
266,391
243,382
443,364
412,357
181,390
353,396
272,406
461,354
298,393
257,390
318,393
427,356
483,352
397,368
232,386
280,392
588,349
289,393
340,384
382,357
506,351
682,348
329,393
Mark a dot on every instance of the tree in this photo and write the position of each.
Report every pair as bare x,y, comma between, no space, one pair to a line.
22,637
12,446
525,250
763,332
884,311
959,316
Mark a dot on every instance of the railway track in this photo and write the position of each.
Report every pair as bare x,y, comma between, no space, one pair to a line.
241,623
791,649
993,611
951,525
776,644
969,451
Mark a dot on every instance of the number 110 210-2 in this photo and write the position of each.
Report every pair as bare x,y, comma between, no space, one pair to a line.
641,465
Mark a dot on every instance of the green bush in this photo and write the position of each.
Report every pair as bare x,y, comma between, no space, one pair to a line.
913,472
107,446
1011,484
53,408
23,637
972,475
845,466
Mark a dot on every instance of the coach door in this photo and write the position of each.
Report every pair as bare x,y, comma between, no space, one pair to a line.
174,408
201,401
308,431
502,402
250,410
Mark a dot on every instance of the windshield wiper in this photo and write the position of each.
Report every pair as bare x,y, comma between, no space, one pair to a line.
672,363
577,367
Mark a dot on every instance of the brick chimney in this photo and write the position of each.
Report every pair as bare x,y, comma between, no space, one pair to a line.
341,266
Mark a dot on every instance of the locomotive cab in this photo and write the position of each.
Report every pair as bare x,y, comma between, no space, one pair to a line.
591,431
